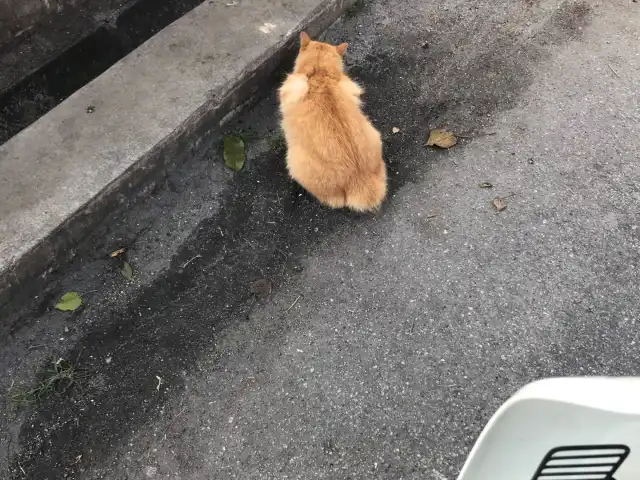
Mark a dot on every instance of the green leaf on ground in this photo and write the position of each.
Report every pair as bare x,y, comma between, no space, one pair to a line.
234,153
69,302
127,271
485,185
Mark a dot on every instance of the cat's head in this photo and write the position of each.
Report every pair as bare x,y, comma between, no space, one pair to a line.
319,57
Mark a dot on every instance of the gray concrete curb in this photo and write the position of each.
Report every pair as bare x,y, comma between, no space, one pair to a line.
61,176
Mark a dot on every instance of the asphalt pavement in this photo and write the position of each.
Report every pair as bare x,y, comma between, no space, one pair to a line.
373,347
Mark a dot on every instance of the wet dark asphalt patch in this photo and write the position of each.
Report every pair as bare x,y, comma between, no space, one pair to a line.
263,227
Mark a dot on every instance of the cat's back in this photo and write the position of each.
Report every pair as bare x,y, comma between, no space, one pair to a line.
320,113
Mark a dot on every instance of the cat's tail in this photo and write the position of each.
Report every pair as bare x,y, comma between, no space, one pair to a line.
367,192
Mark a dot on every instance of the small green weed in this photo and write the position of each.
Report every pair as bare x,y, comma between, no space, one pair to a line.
56,379
276,142
247,134
357,6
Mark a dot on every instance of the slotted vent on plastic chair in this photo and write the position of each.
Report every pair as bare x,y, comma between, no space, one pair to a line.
588,462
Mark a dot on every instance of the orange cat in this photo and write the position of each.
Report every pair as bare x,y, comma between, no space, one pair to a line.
333,150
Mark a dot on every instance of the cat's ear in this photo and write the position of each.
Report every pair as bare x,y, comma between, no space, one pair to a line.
304,40
342,48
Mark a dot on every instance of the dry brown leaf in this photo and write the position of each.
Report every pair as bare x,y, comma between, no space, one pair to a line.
441,138
395,130
120,251
500,203
261,287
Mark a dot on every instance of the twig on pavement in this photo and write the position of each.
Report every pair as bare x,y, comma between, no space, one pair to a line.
614,72
293,304
488,134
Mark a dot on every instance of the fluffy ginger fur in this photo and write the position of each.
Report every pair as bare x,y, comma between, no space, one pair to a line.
333,150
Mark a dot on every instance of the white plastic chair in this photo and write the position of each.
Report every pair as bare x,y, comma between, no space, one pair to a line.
562,429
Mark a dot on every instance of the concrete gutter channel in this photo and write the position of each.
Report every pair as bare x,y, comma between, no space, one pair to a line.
97,150
44,71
